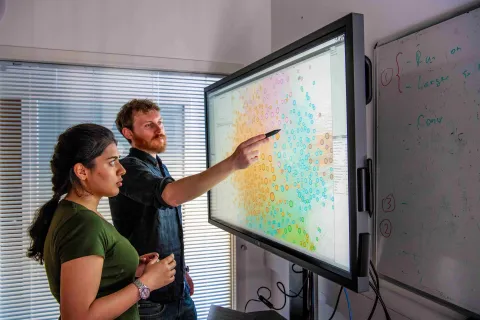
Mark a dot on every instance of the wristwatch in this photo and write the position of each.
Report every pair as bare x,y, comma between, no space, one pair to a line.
143,289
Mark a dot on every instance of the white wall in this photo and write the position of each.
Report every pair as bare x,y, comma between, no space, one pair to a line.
293,19
227,31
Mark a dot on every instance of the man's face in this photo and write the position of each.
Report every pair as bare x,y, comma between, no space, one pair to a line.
148,133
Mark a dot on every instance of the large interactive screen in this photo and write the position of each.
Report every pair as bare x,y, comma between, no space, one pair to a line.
297,198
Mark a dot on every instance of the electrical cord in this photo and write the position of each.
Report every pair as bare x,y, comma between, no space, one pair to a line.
336,304
348,303
376,288
281,287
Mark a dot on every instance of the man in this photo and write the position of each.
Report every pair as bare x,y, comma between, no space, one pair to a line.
147,210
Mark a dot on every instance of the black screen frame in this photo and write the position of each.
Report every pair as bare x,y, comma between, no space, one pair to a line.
352,27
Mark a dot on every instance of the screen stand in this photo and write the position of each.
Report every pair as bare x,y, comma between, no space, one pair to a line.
310,295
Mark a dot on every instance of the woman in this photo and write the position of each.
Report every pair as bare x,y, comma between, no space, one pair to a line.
90,267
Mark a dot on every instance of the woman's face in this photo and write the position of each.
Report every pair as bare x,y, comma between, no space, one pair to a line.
104,179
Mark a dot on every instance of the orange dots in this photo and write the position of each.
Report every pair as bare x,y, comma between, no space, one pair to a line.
272,169
270,158
286,187
272,196
277,136
283,214
282,171
263,166
262,156
274,177
268,209
276,187
265,181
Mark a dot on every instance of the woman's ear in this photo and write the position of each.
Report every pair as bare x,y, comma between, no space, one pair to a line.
80,171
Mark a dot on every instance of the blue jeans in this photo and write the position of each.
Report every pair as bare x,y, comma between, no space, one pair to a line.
183,309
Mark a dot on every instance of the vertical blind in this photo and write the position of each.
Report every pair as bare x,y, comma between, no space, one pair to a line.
40,101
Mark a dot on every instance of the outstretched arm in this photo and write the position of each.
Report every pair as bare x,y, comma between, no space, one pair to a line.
189,188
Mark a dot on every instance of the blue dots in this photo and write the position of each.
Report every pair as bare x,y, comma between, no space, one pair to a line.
282,188
298,113
311,121
316,161
313,106
275,144
294,102
279,154
332,198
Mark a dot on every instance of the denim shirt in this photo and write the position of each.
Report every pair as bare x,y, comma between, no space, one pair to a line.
141,215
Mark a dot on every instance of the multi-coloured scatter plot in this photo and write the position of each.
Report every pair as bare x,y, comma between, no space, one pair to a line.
289,193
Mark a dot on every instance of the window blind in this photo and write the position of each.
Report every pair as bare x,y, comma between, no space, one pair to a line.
37,103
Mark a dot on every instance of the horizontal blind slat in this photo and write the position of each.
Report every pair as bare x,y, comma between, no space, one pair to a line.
37,103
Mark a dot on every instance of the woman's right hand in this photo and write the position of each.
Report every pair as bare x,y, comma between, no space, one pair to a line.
158,274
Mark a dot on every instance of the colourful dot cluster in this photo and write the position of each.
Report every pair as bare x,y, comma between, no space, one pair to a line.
294,171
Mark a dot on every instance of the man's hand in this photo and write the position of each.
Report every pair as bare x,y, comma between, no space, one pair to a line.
190,283
143,261
247,152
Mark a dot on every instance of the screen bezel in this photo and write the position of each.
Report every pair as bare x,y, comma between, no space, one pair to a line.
352,27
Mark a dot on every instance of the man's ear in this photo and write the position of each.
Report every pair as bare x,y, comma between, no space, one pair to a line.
127,133
80,171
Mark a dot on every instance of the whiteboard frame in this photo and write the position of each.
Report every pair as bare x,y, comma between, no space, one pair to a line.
438,20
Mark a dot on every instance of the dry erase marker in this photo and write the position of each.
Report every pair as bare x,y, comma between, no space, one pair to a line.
272,133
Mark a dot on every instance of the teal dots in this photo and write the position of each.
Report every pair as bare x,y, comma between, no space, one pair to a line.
301,88
294,102
282,188
313,82
275,145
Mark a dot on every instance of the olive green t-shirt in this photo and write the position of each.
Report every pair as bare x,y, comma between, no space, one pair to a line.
77,232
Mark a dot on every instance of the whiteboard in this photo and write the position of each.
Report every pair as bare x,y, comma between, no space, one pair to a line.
428,161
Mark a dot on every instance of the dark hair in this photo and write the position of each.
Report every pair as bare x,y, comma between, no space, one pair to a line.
79,144
125,115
